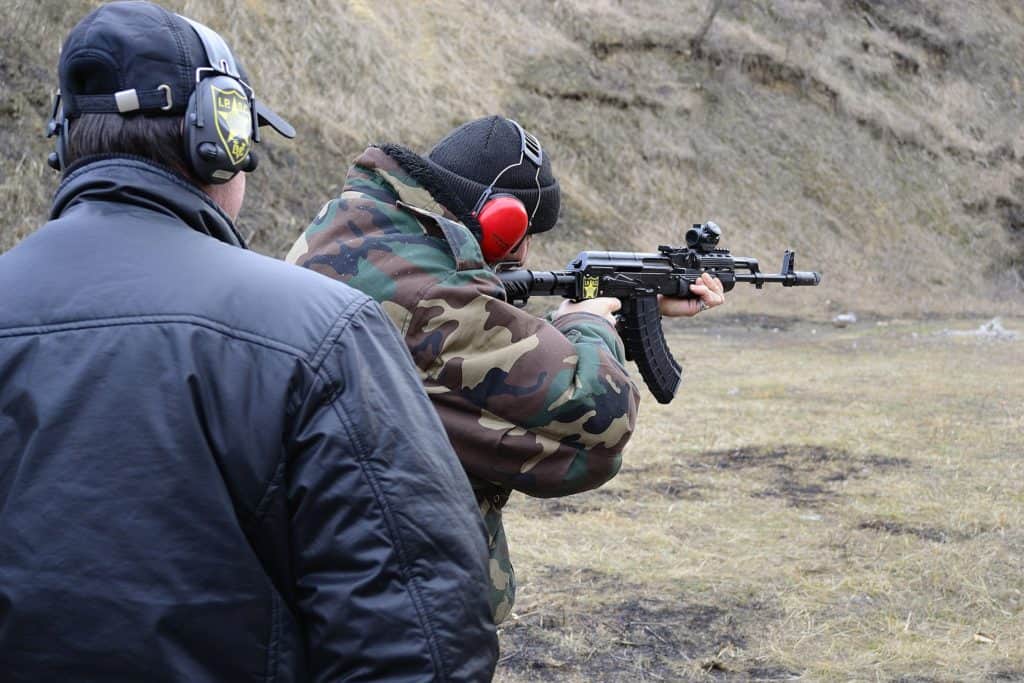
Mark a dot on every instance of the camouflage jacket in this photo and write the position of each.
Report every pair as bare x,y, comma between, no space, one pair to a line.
543,408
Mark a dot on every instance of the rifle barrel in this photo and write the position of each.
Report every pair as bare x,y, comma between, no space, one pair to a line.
799,278
522,283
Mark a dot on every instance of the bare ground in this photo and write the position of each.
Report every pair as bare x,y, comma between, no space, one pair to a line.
817,504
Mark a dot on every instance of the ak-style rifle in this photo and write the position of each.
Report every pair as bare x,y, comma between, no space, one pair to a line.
637,279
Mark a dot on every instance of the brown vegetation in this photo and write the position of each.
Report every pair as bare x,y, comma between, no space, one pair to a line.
880,139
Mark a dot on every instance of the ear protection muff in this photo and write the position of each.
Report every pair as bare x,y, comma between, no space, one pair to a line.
503,224
503,218
219,129
60,127
220,120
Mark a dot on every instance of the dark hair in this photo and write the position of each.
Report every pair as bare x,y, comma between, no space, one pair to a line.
158,138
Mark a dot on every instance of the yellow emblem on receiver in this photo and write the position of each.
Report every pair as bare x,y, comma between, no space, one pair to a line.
234,123
590,285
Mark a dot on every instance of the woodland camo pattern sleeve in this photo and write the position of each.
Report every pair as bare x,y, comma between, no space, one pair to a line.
543,408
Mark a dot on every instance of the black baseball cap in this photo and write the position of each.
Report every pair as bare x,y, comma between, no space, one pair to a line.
127,57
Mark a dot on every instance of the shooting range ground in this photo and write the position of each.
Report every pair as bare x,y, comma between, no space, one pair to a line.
816,503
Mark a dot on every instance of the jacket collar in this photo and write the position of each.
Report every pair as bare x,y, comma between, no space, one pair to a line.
416,183
139,182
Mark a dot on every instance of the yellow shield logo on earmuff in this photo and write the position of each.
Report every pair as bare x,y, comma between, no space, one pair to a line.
590,286
233,119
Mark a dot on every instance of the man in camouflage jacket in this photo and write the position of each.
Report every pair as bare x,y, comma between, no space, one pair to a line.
531,405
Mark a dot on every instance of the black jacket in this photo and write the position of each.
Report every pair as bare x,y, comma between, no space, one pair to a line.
215,466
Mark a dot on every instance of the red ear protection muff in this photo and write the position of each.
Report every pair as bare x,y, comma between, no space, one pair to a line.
503,218
503,223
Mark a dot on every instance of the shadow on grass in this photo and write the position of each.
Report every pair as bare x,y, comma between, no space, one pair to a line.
804,475
663,637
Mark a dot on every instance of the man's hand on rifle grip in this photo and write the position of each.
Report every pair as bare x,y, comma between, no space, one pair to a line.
602,306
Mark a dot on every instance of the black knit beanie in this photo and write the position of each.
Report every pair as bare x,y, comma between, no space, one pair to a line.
470,157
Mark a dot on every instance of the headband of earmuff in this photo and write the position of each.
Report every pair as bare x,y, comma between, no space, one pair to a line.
503,219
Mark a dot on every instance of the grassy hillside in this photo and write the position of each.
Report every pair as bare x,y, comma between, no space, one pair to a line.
881,139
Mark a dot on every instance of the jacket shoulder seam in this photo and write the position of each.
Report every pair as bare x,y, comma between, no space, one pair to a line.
320,374
333,334
363,451
396,538
182,319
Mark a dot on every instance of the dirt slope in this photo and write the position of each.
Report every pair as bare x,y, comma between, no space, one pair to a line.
881,139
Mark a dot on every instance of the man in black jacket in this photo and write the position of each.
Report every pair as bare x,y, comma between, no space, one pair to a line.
214,466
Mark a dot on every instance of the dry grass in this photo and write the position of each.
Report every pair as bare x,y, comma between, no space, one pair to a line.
818,503
882,140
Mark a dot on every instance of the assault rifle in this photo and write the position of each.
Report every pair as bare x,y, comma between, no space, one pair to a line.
637,280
